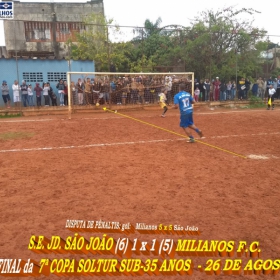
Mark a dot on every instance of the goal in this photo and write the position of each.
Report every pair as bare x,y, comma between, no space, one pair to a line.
99,89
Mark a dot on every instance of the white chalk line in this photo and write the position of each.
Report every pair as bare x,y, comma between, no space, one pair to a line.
85,146
110,118
126,143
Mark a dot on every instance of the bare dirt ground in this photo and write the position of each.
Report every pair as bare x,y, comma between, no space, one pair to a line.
106,166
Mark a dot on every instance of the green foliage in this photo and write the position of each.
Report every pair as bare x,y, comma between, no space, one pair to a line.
16,135
215,44
8,115
220,42
93,43
143,65
256,102
275,73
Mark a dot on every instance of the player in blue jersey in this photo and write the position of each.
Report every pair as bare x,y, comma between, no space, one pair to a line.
184,100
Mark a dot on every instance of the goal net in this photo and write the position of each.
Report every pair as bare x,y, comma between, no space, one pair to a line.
96,90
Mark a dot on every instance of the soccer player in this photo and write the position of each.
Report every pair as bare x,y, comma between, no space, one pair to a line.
184,100
162,102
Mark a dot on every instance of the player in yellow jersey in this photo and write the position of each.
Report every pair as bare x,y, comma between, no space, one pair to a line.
162,103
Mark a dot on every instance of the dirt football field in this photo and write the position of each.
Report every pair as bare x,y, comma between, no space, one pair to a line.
110,167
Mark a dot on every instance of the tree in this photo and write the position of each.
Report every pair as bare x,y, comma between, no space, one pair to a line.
94,42
148,30
217,41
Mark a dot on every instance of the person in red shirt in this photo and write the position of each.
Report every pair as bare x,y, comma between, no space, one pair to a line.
216,93
38,91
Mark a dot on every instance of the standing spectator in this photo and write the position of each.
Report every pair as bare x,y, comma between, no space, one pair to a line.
206,86
119,91
52,95
278,88
38,91
125,91
96,86
60,86
212,91
196,83
196,94
106,91
270,101
255,89
216,93
113,88
46,89
134,91
223,93
80,90
16,90
202,91
241,89
5,94
264,88
158,90
140,88
275,84
88,91
260,83
30,95
65,94
112,67
74,93
247,88
24,93
228,85
233,90
147,92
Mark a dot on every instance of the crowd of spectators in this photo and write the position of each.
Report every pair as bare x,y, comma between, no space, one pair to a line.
142,89
218,90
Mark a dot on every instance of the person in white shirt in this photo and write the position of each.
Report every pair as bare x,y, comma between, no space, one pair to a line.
16,96
46,89
30,95
270,102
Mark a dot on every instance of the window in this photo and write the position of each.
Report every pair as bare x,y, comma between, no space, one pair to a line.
37,31
33,77
56,76
67,30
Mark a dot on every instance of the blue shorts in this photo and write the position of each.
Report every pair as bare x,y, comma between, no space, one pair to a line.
186,120
6,98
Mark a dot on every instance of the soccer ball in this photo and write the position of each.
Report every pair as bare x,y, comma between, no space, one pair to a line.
97,104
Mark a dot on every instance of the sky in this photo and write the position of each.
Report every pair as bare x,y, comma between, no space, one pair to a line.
181,12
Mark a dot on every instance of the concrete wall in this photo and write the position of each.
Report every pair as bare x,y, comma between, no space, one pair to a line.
45,12
16,69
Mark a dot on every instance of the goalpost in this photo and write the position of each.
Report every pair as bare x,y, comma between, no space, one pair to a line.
114,89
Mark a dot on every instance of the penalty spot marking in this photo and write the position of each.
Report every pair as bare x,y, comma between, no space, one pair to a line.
258,157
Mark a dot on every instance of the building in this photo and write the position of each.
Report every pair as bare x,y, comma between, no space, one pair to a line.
36,42
40,70
42,29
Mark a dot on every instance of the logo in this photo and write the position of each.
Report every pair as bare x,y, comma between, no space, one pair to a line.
6,10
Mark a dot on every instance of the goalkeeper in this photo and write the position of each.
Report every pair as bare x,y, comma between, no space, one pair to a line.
162,103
